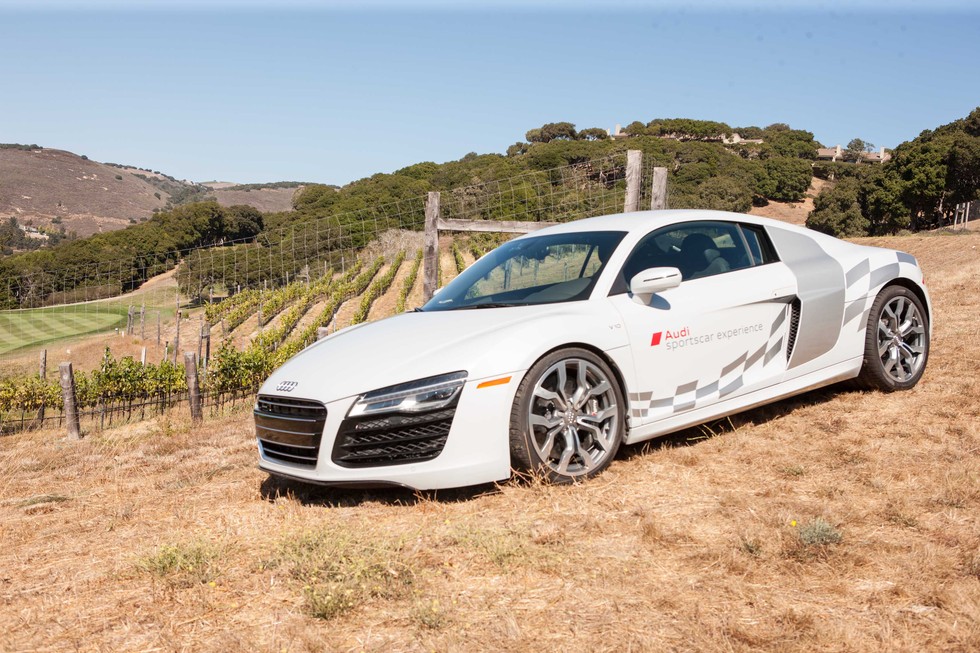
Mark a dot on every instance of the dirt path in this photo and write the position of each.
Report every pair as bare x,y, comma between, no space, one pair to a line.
385,305
792,212
342,318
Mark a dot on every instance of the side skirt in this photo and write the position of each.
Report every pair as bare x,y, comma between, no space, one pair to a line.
849,369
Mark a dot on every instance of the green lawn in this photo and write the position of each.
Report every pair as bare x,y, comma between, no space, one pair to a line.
31,328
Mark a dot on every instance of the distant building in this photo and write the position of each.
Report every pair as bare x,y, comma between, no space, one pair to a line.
837,153
830,153
880,156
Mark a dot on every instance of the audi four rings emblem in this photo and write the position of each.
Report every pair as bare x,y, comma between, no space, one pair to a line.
287,386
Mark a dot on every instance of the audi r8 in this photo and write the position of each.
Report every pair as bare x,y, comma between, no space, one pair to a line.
554,349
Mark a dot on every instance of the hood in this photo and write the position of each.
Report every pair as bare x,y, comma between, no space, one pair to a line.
412,346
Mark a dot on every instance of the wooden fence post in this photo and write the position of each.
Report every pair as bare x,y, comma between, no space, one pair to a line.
177,339
143,356
430,278
143,321
68,393
129,321
658,189
200,341
207,355
634,166
43,373
193,389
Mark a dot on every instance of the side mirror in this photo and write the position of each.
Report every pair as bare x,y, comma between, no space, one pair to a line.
649,282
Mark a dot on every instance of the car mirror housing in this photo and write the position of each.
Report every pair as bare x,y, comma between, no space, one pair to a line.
644,285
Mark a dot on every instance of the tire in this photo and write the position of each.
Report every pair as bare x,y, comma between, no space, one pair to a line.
896,344
568,417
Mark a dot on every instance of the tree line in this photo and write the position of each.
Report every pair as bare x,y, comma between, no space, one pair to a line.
917,189
111,263
249,249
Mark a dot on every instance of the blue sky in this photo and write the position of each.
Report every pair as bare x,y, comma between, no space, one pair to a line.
252,91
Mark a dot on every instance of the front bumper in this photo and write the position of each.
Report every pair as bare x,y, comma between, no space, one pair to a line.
476,449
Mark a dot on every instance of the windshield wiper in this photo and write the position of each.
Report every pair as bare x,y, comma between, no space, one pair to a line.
485,305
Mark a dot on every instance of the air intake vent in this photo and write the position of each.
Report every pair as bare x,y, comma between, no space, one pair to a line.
794,327
394,439
289,430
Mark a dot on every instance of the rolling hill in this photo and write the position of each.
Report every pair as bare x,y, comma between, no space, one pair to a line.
54,186
48,187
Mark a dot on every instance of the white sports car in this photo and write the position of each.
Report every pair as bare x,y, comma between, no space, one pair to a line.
553,349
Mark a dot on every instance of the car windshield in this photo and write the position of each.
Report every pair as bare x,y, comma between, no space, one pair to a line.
528,271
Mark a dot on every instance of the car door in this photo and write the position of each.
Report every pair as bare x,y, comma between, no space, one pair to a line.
721,333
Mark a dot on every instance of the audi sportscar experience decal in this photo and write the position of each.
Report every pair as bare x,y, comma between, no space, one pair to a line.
557,347
681,338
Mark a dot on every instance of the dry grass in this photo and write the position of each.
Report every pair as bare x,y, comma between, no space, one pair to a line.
841,520
47,184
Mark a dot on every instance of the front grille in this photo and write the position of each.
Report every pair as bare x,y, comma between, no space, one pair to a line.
289,430
394,439
794,327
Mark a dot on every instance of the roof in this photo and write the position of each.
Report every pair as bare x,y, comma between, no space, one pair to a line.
647,220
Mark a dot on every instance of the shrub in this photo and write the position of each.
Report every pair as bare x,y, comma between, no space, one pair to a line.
819,533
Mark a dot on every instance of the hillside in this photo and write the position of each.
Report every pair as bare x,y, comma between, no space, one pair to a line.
55,187
840,520
87,197
267,199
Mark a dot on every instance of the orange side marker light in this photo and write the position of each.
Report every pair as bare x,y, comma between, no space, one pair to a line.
487,384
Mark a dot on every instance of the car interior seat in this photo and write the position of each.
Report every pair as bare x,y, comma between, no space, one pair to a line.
700,257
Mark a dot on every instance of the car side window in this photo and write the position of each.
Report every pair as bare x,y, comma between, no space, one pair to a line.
697,249
760,247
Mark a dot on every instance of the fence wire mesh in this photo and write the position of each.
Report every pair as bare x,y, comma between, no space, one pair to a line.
137,297
579,190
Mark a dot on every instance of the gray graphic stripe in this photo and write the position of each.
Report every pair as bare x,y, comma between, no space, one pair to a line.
883,274
706,390
687,387
853,310
733,365
858,272
907,258
754,358
687,405
731,387
772,353
778,323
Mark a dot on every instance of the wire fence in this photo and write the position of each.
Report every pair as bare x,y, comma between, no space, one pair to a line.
118,410
109,299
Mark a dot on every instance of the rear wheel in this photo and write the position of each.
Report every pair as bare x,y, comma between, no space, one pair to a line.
897,342
568,417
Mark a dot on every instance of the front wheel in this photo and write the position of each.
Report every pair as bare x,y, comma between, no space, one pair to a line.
897,341
568,417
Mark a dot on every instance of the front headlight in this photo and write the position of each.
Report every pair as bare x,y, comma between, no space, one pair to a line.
430,393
